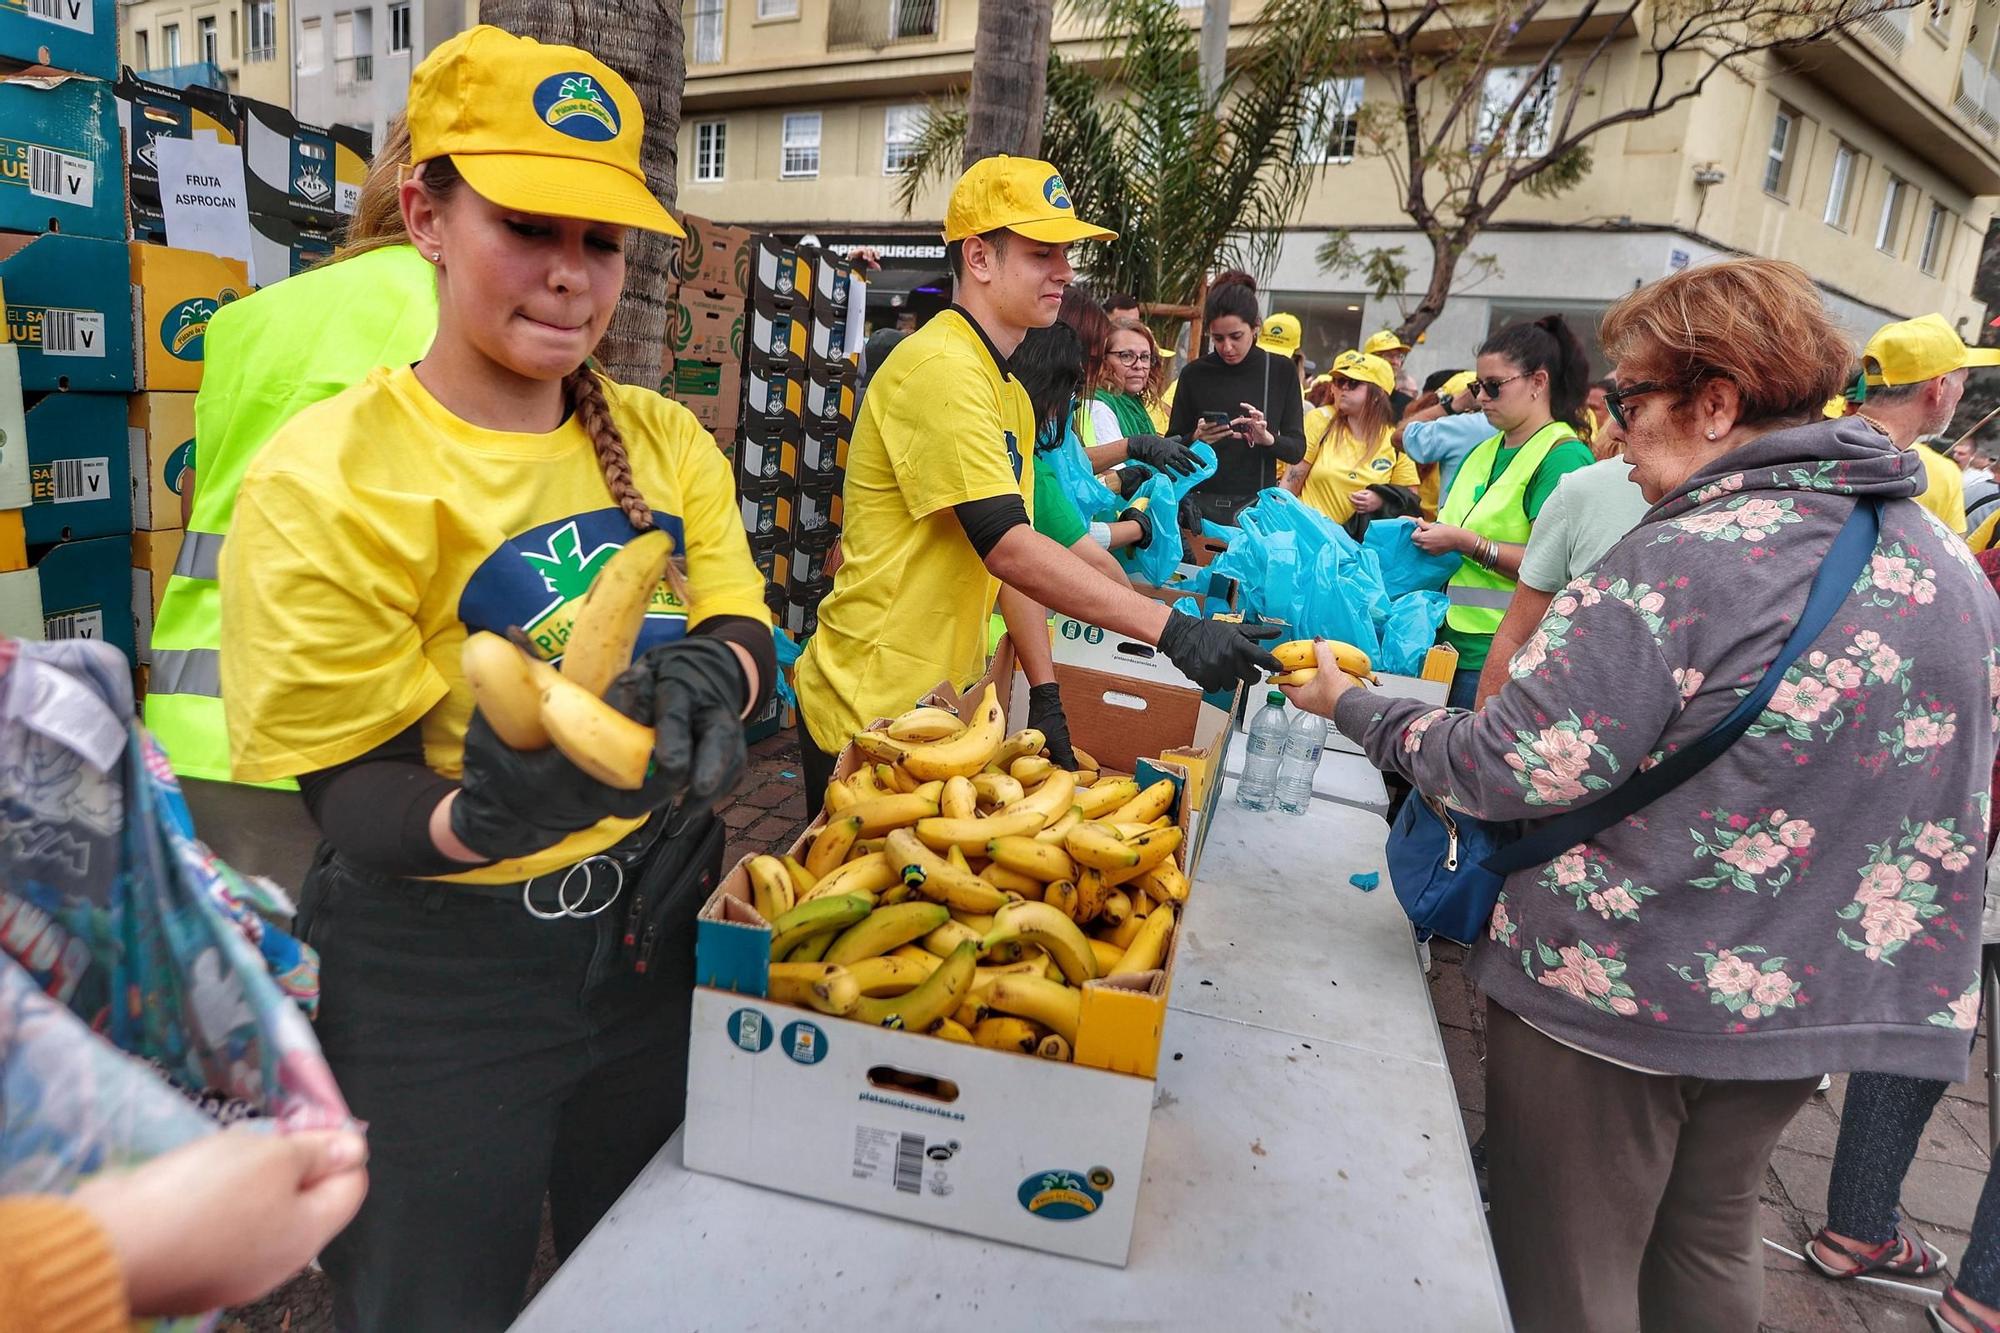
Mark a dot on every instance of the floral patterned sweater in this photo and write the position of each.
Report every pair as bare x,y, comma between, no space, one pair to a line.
1811,901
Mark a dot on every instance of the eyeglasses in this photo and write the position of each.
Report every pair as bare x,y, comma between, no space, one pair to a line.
1615,399
1133,359
1491,387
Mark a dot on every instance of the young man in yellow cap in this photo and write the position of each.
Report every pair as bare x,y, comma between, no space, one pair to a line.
939,484
1914,373
1391,348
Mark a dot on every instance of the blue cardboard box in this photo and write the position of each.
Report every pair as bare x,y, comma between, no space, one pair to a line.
148,112
77,35
87,591
69,310
79,468
61,166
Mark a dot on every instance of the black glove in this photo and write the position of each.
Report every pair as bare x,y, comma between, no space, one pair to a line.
1216,654
513,802
1190,515
690,692
1045,715
1139,516
1128,480
1165,452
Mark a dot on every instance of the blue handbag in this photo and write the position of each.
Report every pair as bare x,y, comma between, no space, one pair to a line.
1448,868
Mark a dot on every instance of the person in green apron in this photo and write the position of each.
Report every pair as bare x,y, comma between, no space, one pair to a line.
1532,378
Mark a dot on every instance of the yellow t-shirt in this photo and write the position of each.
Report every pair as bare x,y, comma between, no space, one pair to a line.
1342,464
942,424
1944,488
376,530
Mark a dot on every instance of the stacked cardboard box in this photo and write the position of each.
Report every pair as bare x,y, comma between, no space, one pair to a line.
703,366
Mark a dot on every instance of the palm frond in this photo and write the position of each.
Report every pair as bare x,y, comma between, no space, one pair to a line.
934,154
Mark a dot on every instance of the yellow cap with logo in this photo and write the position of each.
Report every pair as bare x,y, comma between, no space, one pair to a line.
1020,194
1280,334
1365,369
1914,350
543,129
1385,341
1457,384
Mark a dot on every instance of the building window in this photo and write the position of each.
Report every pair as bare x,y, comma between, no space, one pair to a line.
312,47
206,45
353,48
399,29
1937,240
1841,186
1939,15
1527,133
801,146
1778,158
170,43
1888,229
1329,132
711,147
777,9
260,19
912,18
708,17
142,48
900,126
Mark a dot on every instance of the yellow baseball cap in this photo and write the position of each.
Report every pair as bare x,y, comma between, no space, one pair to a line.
1021,194
1366,369
1281,334
543,129
1915,350
1385,341
1457,384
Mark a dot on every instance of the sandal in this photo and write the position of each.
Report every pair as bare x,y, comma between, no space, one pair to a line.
1905,1254
1977,1324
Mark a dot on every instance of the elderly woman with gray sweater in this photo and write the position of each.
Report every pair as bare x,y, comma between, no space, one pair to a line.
1662,998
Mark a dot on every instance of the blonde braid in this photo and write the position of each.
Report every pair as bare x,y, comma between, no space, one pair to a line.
593,413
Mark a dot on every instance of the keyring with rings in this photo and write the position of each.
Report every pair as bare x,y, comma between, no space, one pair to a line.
567,909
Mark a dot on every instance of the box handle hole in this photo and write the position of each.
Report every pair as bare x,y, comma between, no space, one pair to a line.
1131,648
1120,699
910,1083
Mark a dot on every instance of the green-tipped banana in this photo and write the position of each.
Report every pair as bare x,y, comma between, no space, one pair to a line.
885,928
821,916
941,993
1058,936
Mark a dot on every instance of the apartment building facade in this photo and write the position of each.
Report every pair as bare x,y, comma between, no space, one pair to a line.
1873,161
354,59
243,46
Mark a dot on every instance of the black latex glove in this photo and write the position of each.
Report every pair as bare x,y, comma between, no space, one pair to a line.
1190,515
513,802
1145,522
1128,480
1165,452
1217,654
1045,715
691,692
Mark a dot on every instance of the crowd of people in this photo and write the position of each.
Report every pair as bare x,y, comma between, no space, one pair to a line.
1634,551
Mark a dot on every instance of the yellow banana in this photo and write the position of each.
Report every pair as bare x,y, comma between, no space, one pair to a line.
1045,926
1142,903
822,986
1002,1033
1298,654
947,937
1106,796
1099,847
1117,906
1024,742
821,916
607,624
862,783
802,879
1147,806
594,736
1052,800
1059,830
963,754
1083,757
865,847
940,994
959,800
996,790
1122,934
976,921
1149,946
1030,770
893,778
838,796
1055,1046
868,875
1086,777
921,725
506,690
1091,891
771,890
883,813
1013,881
1108,955
1154,847
1026,856
972,835
958,861
885,928
1050,1003
938,879
1164,882
877,746
812,949
831,845
892,974
951,1030
1062,896
902,893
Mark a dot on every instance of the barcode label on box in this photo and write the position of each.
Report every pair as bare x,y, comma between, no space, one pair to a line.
347,196
65,13
74,624
910,1164
58,176
70,481
73,333
892,1156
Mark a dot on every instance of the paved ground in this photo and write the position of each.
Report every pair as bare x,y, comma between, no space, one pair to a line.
1941,1192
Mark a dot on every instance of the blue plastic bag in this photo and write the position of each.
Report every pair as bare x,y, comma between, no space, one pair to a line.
1405,566
1409,632
1155,562
788,654
1095,501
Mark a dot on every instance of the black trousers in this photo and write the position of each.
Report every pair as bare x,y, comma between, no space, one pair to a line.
817,765
497,1059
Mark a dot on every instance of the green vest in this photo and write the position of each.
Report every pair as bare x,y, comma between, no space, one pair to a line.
1496,508
267,356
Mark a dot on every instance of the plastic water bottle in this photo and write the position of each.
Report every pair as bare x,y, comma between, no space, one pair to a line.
1304,739
1257,789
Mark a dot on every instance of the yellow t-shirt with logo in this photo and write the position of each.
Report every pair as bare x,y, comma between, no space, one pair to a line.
942,424
1342,464
376,530
1944,488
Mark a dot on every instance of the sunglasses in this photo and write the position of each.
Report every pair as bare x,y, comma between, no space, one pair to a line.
1490,387
1615,399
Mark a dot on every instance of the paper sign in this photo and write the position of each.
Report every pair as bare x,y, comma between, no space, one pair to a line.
202,198
857,313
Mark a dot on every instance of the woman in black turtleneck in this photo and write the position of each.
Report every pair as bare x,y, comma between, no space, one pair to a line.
1258,390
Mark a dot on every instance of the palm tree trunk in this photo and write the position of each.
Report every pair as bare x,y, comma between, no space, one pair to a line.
1010,66
641,39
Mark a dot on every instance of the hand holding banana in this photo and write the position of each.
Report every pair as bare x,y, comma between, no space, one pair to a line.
1335,668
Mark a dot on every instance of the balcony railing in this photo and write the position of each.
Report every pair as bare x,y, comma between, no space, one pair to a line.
876,24
1889,28
1978,100
200,74
352,70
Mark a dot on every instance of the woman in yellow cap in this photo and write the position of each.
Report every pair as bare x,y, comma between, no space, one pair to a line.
1352,470
506,942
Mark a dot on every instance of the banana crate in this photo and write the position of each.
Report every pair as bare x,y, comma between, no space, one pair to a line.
993,1142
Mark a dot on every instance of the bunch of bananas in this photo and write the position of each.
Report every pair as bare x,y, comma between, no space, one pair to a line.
949,888
531,705
1301,665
